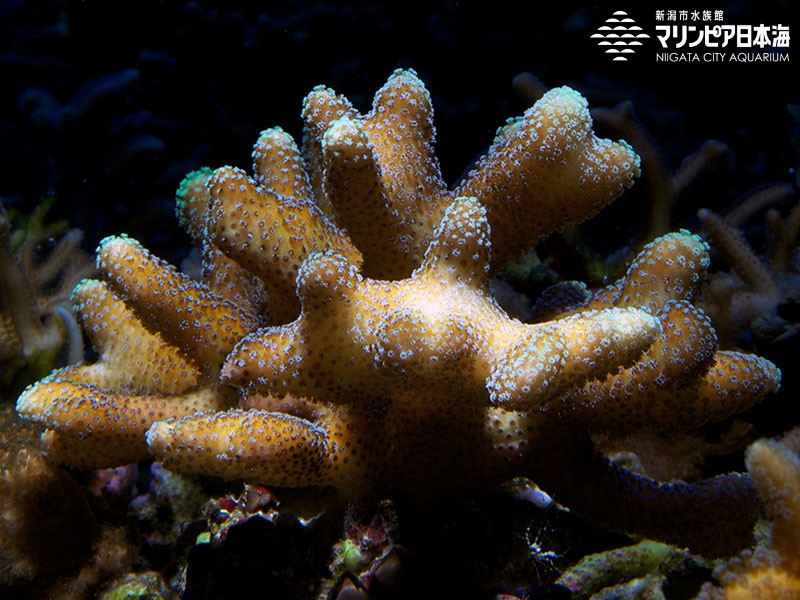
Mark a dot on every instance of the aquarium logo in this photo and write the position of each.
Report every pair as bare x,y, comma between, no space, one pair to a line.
702,36
620,36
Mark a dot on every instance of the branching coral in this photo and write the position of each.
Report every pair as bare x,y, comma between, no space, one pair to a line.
345,295
105,408
747,298
36,324
750,295
422,359
771,572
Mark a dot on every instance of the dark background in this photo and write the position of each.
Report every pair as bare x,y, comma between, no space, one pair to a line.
106,105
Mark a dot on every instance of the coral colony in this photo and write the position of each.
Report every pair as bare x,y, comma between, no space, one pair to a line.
341,330
36,325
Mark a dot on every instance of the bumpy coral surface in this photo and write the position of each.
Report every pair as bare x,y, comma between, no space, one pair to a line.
344,306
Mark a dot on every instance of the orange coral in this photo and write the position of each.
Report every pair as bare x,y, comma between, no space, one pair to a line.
105,408
380,177
433,345
663,186
469,397
683,380
270,235
253,241
385,365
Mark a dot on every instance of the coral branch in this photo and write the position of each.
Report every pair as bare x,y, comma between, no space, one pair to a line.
89,427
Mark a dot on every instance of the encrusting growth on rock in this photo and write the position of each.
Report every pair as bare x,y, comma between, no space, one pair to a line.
343,332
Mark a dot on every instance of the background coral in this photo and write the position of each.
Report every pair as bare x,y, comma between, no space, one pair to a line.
40,263
748,301
51,544
772,570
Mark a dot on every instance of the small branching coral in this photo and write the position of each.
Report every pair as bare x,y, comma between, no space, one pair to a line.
771,572
748,297
37,325
343,332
